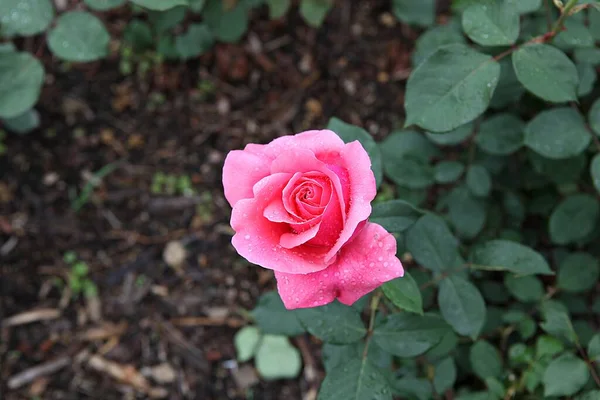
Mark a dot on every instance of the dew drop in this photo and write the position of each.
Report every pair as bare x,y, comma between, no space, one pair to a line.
247,237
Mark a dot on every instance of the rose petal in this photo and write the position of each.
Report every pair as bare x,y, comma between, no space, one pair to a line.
257,238
363,264
362,191
241,171
291,240
322,143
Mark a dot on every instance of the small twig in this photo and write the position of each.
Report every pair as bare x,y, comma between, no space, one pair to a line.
31,374
42,314
374,305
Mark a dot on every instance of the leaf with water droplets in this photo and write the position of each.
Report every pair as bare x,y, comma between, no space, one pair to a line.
450,88
491,23
25,17
409,335
538,64
79,36
333,323
358,379
21,79
404,293
462,305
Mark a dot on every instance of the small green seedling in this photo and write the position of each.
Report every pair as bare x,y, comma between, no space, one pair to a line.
79,283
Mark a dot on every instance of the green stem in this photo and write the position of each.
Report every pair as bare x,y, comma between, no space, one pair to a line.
373,309
564,14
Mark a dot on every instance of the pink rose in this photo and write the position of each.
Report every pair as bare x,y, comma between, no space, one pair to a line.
300,207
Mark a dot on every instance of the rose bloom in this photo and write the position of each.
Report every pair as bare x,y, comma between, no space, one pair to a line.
300,207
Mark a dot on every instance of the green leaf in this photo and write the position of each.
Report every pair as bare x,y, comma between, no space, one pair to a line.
432,244
502,134
448,171
315,11
79,36
356,380
445,375
436,37
595,171
25,17
406,156
278,8
21,80
557,133
491,23
23,123
593,348
573,219
227,25
411,12
548,346
160,5
162,21
138,35
395,215
485,360
413,388
104,5
587,55
350,133
525,6
467,212
594,116
504,255
527,289
479,181
576,34
409,335
537,64
587,79
404,293
445,347
560,171
557,322
509,90
334,323
462,305
578,272
452,137
450,88
246,342
276,358
195,41
197,5
273,318
591,395
565,376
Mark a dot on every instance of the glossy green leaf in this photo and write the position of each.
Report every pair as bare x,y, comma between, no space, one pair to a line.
448,171
450,88
485,360
278,8
226,24
358,380
404,293
594,116
21,80
536,65
434,38
25,17
595,171
273,318
491,23
462,305
408,335
466,212
525,6
160,5
420,13
395,215
350,133
504,255
502,134
557,322
315,11
573,219
557,133
576,34
432,244
195,41
565,376
104,5
452,137
333,323
24,123
527,289
479,181
276,358
445,375
246,342
79,36
587,79
578,272
593,348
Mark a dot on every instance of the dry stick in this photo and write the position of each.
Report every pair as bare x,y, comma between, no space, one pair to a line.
31,374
